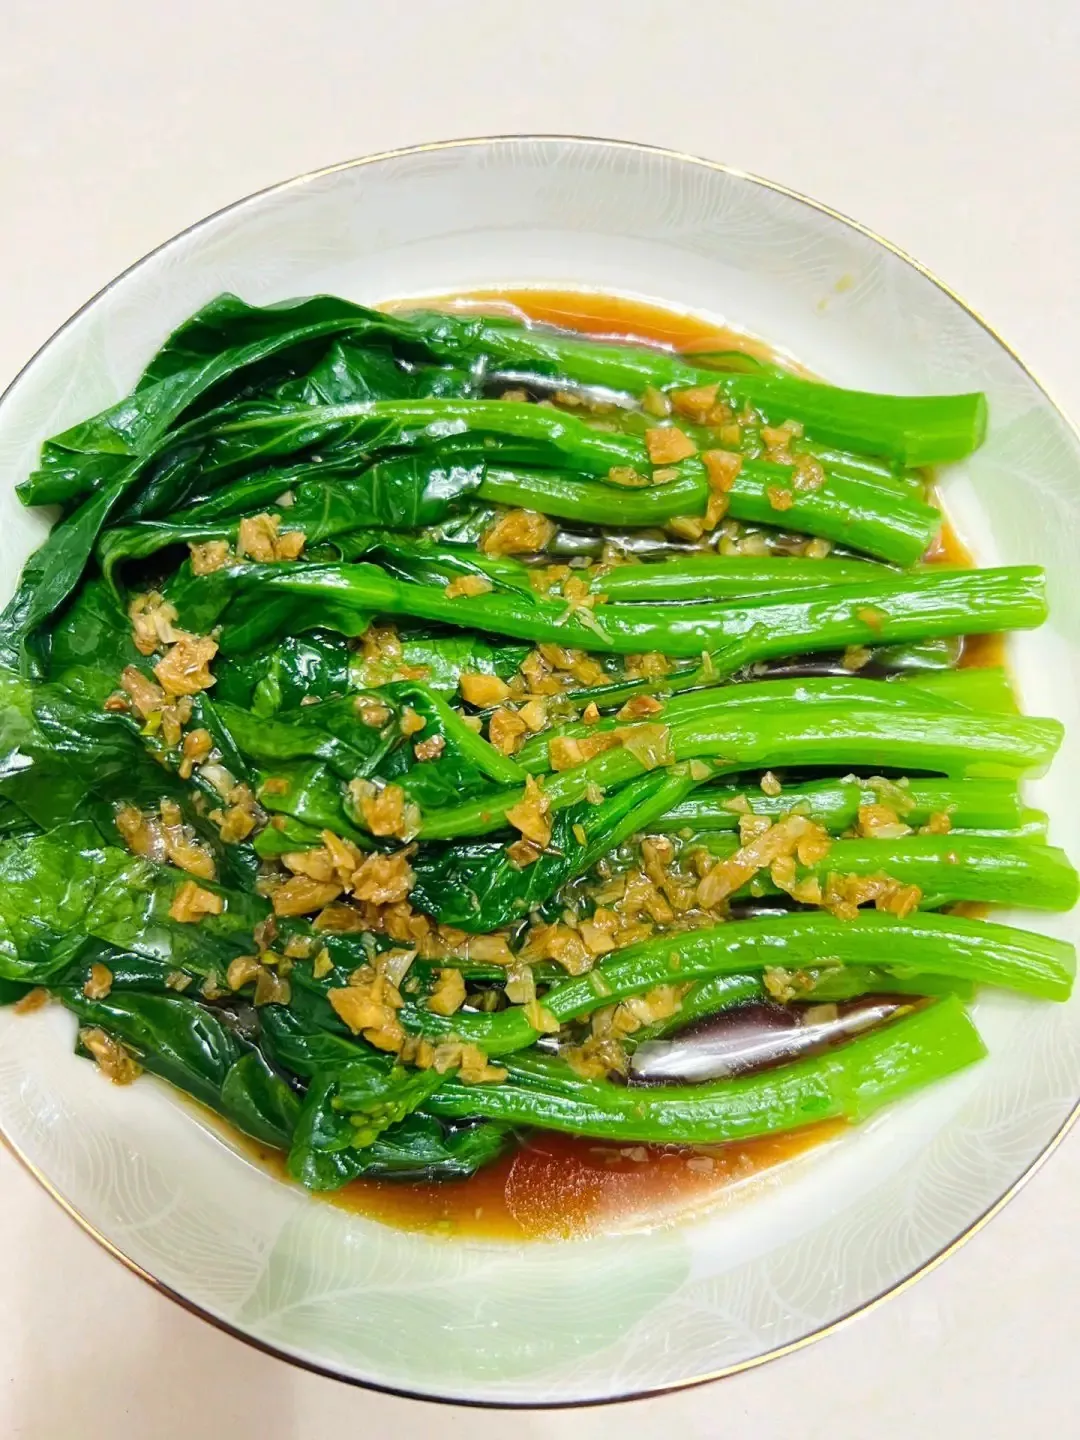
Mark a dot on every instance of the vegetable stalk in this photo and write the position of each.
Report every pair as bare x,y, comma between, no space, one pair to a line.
850,1083
922,944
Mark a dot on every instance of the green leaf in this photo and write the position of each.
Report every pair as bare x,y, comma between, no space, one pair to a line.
280,676
188,1044
223,346
445,657
15,823
336,502
259,1102
66,884
419,1150
92,639
99,461
375,1099
177,1038
325,1154
466,765
345,1111
313,796
331,731
308,1039
477,887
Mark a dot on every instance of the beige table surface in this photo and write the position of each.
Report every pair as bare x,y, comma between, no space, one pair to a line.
951,126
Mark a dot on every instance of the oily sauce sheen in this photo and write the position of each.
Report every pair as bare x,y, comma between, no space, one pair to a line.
555,1186
565,1187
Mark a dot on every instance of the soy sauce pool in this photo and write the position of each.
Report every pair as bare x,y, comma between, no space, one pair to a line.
611,317
554,1186
566,1187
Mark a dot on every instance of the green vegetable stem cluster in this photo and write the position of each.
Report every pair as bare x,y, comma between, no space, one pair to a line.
375,663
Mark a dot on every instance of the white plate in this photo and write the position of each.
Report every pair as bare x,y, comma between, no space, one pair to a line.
797,1251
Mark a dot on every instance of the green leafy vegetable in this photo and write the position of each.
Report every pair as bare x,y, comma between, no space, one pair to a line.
402,839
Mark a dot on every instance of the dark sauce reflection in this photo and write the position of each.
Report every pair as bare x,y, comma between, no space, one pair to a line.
758,1035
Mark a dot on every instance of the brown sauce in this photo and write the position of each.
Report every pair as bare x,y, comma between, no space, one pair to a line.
556,1186
563,1187
612,317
